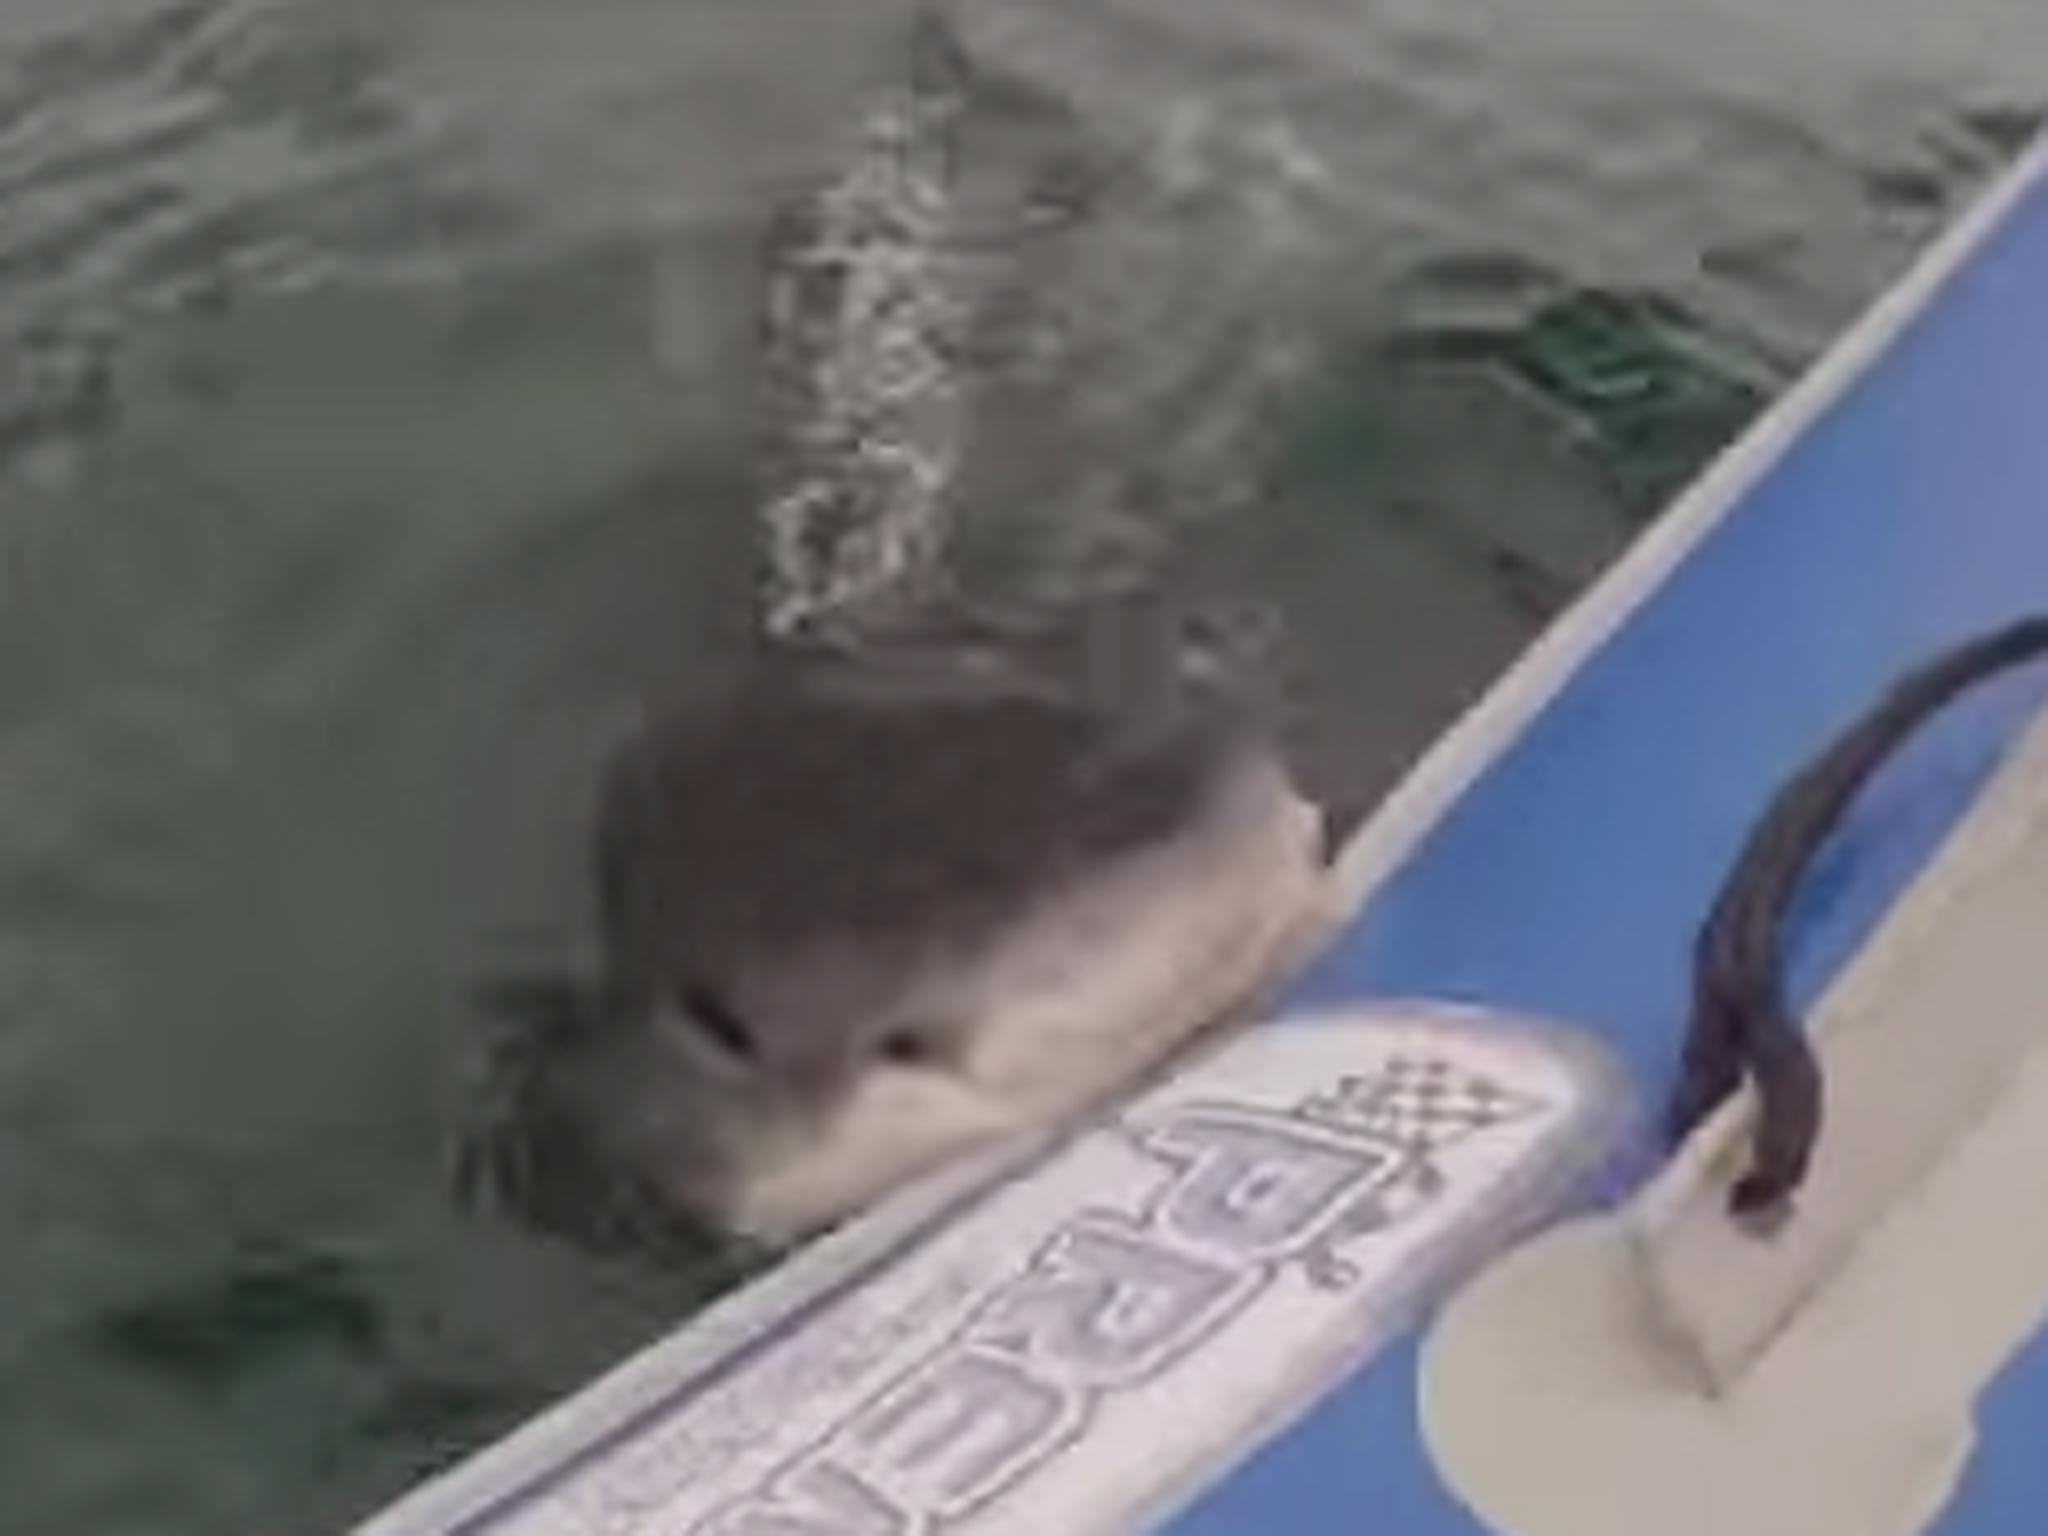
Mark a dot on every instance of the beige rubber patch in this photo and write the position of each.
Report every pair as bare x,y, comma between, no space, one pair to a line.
1660,1369
1552,1408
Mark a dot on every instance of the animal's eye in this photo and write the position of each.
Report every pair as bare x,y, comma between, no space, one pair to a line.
714,1018
910,1046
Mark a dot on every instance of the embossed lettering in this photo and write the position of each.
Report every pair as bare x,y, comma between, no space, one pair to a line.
817,1499
1109,1300
959,1429
1254,1187
1104,1306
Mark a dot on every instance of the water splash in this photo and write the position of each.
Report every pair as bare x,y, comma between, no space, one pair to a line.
862,335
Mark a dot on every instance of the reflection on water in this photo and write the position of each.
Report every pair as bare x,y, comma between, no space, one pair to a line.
375,425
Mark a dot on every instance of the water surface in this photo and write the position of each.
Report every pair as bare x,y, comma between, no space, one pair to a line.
375,423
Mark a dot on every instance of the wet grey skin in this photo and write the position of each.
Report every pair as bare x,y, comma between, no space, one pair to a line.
862,916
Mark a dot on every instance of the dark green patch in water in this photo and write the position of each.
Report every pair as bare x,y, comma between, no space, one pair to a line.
210,1333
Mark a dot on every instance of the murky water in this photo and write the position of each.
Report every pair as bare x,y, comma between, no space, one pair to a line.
375,422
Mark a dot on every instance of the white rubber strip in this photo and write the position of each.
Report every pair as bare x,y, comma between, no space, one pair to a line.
1121,1323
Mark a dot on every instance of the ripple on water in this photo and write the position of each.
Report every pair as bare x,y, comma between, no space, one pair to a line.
375,407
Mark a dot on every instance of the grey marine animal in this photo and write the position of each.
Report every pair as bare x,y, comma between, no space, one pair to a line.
883,903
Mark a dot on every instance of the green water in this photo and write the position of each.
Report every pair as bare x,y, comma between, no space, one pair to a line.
374,429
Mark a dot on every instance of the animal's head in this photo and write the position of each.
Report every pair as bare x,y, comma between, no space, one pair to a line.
850,934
